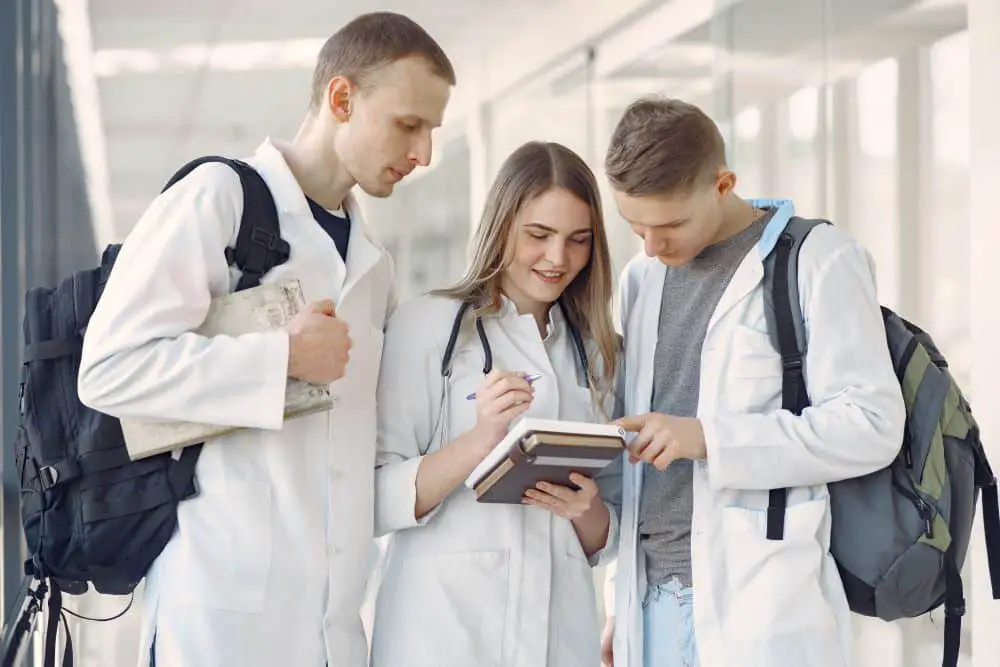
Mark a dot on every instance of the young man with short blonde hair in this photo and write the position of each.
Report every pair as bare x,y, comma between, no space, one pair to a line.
698,581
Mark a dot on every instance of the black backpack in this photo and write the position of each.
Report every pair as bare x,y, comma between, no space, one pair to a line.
91,515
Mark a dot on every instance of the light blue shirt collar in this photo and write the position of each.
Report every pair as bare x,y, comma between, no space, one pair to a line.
777,223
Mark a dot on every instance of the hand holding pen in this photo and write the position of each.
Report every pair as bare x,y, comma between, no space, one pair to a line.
501,397
530,378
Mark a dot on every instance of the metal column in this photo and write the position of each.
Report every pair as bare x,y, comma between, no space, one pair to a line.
45,227
12,270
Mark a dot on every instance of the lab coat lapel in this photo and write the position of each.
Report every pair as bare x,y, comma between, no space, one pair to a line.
363,252
750,272
641,334
644,324
748,275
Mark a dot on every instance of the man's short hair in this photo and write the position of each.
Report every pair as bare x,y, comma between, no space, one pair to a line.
664,147
372,41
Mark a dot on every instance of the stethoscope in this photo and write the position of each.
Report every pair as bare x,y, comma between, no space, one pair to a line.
441,429
456,327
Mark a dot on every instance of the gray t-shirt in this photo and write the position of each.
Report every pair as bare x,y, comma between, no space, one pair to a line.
690,296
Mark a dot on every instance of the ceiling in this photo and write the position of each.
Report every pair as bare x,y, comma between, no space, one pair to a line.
771,48
180,79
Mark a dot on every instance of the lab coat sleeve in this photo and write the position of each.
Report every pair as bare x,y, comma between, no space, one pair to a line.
855,424
610,572
140,356
609,483
609,480
409,404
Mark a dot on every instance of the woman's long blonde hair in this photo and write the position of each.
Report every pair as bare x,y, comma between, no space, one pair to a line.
529,172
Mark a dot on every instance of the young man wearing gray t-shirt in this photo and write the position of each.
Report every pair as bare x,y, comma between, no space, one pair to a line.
699,582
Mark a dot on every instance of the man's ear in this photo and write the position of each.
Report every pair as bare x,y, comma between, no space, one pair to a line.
725,183
338,95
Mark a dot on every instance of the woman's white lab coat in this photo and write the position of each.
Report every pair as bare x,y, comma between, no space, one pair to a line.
474,585
268,563
761,603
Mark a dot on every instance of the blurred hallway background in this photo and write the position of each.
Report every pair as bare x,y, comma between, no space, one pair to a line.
879,114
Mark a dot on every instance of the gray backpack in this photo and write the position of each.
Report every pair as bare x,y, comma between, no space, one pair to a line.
899,535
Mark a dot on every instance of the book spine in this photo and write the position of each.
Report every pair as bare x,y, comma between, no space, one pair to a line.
518,454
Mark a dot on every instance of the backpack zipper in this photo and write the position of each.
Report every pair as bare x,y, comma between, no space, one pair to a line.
925,509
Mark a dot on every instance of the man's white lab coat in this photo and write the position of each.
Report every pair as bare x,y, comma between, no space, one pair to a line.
762,603
268,563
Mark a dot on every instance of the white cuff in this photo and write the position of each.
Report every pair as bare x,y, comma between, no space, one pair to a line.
396,497
610,549
271,374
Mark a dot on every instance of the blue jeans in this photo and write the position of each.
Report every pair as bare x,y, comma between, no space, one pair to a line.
668,626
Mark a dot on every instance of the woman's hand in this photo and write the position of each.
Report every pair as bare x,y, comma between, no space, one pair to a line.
501,397
568,503
582,506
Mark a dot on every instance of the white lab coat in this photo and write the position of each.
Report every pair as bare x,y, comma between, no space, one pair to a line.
470,584
760,603
268,563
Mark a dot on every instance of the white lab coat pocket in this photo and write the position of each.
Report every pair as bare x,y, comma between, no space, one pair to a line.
225,547
752,379
776,585
443,610
575,603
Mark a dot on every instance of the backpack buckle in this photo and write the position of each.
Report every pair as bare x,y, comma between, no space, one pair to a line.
267,250
61,471
792,364
264,238
957,609
48,476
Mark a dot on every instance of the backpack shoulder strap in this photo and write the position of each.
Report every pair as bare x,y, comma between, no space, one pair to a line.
259,246
787,329
781,293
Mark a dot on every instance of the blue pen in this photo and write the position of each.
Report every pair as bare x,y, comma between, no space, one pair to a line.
530,378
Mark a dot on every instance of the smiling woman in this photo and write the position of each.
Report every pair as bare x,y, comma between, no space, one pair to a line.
554,239
542,239
456,570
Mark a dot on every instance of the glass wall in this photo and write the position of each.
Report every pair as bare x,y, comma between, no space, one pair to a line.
45,222
426,223
858,112
554,106
45,226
